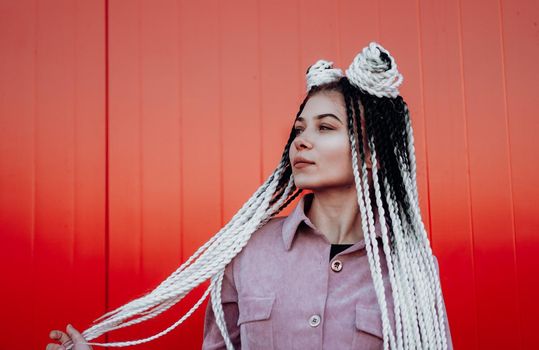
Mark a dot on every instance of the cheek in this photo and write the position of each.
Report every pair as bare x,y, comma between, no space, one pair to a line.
291,153
338,159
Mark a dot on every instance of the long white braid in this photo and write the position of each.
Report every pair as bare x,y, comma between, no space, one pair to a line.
212,258
425,270
370,239
411,249
410,177
418,248
421,302
255,199
159,308
407,277
394,278
409,319
217,279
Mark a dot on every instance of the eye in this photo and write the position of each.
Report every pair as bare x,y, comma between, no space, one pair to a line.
298,130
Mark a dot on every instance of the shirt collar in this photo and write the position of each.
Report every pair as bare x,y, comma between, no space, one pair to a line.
297,216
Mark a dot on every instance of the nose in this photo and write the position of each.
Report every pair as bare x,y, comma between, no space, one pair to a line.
300,142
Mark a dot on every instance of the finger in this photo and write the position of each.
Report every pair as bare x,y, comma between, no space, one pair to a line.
75,335
59,335
54,347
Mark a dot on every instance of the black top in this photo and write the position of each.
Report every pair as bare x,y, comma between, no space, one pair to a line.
336,249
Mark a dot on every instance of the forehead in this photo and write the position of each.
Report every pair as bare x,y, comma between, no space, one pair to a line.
324,102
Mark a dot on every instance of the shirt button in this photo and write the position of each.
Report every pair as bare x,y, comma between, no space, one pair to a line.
314,320
336,265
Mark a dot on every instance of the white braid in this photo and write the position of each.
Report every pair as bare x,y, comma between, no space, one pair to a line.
370,72
238,219
423,271
370,243
413,282
153,337
175,276
217,281
422,303
216,295
396,286
411,185
322,72
418,260
409,176
411,151
409,320
212,258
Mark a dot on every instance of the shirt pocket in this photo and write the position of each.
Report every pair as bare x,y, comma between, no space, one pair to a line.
256,329
368,328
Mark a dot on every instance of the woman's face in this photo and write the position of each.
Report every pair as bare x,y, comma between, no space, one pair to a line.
322,139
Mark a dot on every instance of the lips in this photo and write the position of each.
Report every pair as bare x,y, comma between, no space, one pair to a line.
300,165
301,160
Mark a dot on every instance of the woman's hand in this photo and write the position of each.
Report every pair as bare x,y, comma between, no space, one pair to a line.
72,337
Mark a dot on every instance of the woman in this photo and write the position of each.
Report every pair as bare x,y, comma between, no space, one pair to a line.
273,285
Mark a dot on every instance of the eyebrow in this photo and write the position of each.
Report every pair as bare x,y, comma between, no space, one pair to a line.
320,116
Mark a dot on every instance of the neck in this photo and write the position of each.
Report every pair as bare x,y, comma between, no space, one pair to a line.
335,213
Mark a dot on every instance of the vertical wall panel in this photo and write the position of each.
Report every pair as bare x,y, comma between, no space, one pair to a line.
17,128
240,72
490,181
445,125
201,99
54,158
280,79
520,38
89,267
160,156
125,153
201,137
52,181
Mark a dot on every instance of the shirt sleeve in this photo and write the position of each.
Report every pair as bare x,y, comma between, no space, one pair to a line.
213,338
446,321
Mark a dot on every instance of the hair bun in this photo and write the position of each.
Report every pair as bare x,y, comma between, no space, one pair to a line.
375,71
322,72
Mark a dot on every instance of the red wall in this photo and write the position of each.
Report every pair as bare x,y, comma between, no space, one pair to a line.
132,131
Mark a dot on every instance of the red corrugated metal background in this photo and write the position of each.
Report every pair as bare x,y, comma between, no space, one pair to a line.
132,131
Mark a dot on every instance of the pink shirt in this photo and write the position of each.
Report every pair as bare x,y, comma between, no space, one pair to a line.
282,292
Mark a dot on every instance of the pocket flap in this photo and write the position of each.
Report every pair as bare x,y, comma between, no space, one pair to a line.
369,320
253,308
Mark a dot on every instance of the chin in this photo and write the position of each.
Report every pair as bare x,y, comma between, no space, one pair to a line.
307,185
317,185
312,186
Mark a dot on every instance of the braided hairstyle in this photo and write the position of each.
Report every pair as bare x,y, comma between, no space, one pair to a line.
415,285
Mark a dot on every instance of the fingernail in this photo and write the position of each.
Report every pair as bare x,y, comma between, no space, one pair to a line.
69,326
